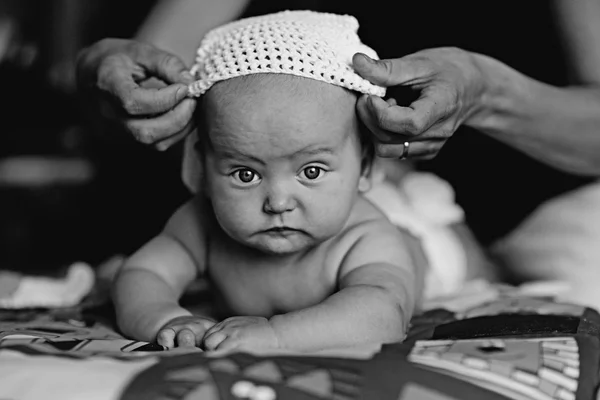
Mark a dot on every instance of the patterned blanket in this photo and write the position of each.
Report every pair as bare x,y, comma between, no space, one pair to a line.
488,342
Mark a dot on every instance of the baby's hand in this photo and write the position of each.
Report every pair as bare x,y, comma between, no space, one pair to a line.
185,331
241,333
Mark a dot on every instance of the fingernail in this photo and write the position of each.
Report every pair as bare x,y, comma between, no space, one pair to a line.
162,146
368,59
182,91
371,101
187,76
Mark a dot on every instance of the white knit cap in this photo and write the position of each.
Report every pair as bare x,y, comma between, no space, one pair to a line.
303,43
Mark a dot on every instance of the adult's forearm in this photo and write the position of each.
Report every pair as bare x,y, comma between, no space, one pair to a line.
144,303
358,315
178,25
559,126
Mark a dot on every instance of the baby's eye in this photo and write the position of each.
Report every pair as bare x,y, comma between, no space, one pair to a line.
312,172
246,175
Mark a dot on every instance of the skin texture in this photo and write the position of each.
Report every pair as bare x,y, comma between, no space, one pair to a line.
273,145
128,82
339,274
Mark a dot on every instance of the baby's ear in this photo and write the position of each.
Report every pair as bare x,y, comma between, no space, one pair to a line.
366,176
192,164
364,184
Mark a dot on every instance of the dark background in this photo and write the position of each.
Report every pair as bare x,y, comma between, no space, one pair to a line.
44,227
134,188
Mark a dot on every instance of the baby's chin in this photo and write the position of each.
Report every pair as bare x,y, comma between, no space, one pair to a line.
282,246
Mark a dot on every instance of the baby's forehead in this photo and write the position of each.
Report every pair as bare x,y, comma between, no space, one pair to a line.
253,98
270,84
282,105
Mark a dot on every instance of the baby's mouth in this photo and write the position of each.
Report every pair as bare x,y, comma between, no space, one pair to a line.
282,230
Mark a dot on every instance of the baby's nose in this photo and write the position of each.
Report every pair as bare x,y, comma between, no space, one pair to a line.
279,201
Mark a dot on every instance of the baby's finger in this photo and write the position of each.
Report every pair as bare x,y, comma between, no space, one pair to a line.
214,329
186,338
152,130
166,337
212,340
228,344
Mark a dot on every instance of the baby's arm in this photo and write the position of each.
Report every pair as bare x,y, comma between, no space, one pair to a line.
380,280
146,291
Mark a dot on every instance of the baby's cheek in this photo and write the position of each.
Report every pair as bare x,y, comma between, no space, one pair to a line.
330,211
236,214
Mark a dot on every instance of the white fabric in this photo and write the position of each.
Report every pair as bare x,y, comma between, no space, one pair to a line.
310,44
560,241
304,43
424,205
42,291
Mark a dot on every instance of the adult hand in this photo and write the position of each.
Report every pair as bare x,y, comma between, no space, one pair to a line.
450,84
115,74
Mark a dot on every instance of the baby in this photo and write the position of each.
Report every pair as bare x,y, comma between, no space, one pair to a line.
280,225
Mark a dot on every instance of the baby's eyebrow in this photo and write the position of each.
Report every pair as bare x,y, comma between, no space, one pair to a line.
236,155
312,151
309,150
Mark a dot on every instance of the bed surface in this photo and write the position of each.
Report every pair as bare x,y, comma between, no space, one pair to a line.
487,342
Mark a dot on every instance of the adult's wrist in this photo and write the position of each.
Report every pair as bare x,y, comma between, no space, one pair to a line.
502,89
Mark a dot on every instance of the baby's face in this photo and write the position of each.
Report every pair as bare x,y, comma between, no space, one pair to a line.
283,161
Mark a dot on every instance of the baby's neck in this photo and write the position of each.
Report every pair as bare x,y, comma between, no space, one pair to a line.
282,259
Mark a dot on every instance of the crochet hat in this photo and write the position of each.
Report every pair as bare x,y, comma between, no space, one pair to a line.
303,43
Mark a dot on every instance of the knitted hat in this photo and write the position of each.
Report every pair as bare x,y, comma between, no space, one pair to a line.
303,43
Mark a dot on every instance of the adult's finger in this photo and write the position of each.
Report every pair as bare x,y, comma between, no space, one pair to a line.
413,120
420,150
391,72
165,144
140,101
369,119
390,150
162,64
117,75
152,130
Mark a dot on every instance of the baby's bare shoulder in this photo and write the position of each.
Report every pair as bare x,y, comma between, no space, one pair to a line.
367,224
366,218
188,225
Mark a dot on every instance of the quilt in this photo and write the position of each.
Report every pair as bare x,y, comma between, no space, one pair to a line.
486,342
